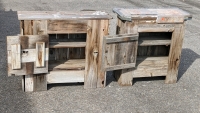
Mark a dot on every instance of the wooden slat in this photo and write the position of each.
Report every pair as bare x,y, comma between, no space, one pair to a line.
28,55
121,38
65,76
66,26
62,15
16,56
40,54
66,44
158,29
149,41
73,64
150,66
175,54
123,66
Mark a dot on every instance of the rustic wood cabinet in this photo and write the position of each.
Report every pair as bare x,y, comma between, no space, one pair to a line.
160,37
58,47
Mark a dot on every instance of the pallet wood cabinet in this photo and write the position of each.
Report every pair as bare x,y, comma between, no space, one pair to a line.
58,47
160,37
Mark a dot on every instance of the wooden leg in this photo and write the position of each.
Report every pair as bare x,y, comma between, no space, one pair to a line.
32,83
124,77
174,55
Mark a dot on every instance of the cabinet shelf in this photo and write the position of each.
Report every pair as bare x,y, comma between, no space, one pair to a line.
66,44
72,64
151,66
150,41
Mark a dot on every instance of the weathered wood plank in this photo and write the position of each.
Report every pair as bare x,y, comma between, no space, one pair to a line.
175,54
158,29
123,66
62,15
28,55
72,64
28,27
66,44
153,41
16,56
103,30
121,38
151,66
91,71
63,76
35,83
39,27
40,54
66,26
128,53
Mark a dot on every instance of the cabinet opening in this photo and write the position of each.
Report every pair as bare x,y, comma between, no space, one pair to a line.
153,49
67,51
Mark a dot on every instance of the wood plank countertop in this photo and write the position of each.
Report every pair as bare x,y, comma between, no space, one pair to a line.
62,15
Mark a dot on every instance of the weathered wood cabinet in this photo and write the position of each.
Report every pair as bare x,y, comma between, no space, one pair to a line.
58,47
158,48
67,47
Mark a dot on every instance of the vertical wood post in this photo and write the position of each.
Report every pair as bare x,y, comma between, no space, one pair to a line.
175,54
94,74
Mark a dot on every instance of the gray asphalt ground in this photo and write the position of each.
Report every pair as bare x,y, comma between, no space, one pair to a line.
147,95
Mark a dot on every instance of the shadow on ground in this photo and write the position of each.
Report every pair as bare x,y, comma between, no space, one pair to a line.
12,99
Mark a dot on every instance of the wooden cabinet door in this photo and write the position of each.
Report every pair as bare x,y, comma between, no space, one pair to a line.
27,54
120,51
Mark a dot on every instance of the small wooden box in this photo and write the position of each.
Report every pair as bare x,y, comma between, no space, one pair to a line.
160,38
58,47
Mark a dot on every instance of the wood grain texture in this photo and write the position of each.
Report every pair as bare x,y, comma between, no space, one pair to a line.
39,27
16,56
67,44
65,76
62,15
66,26
40,54
127,52
94,75
91,72
28,27
72,64
35,83
175,54
121,38
28,53
151,66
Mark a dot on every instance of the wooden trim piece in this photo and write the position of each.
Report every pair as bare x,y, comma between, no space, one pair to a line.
121,38
66,44
65,76
159,29
40,54
123,66
151,41
16,56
